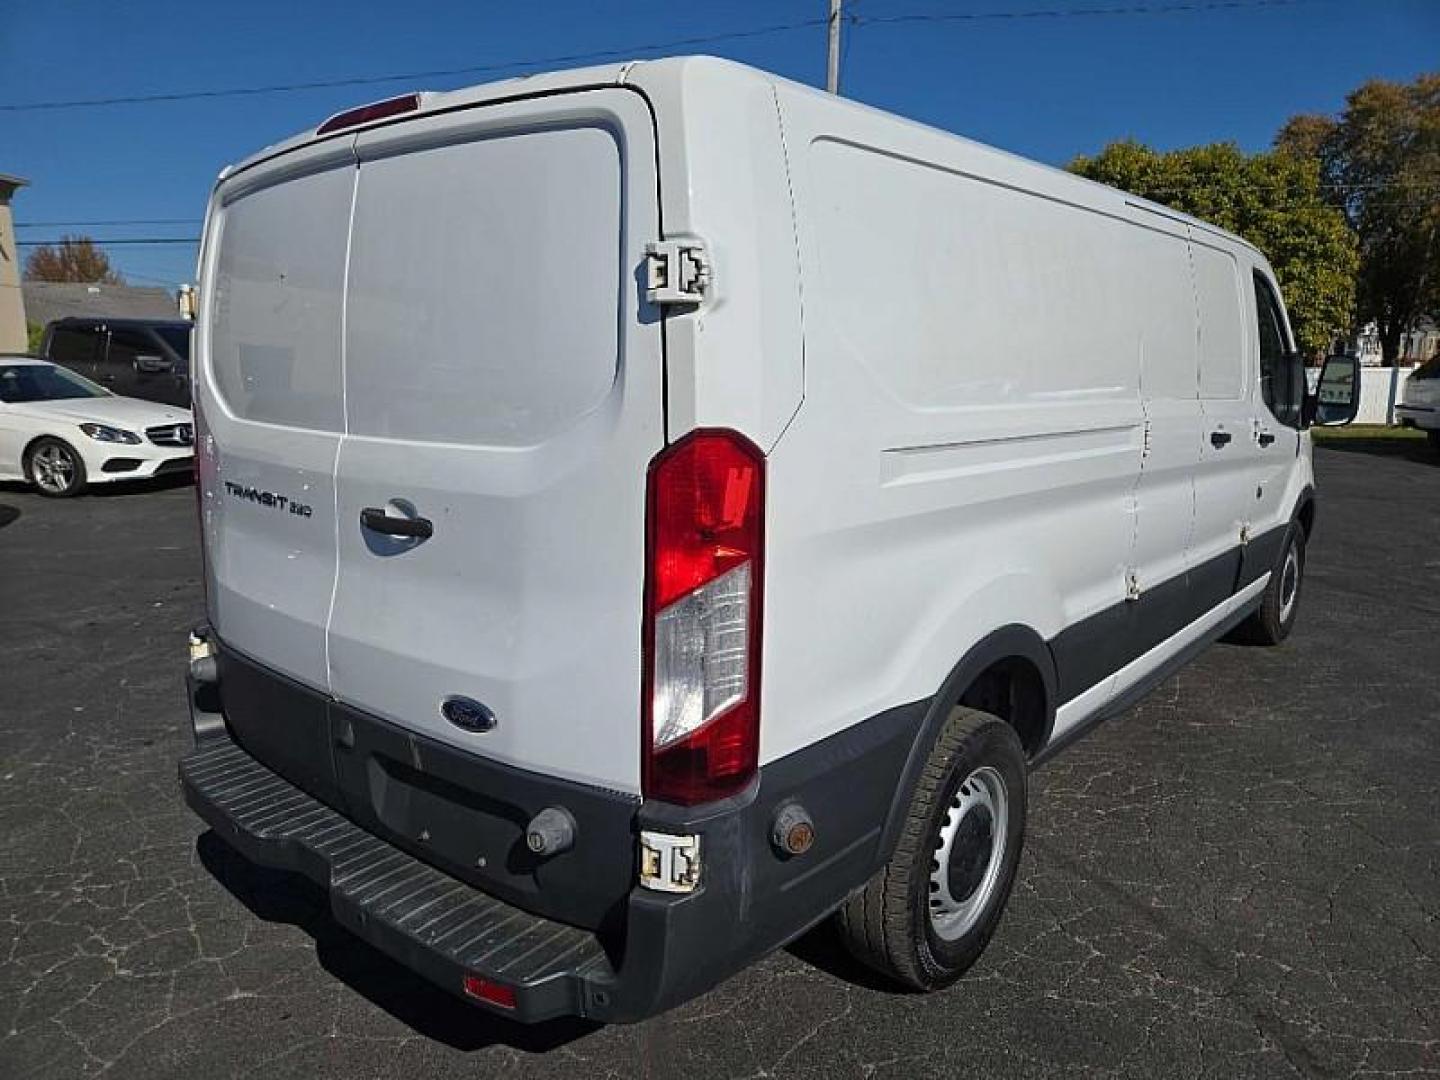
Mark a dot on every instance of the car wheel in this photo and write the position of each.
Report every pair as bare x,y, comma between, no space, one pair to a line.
928,915
1434,436
1272,622
54,467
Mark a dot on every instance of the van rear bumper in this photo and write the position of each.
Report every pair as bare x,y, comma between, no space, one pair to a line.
432,923
652,952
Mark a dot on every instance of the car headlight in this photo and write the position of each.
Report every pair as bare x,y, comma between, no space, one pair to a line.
106,433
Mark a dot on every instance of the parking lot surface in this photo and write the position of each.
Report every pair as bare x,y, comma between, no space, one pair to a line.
1239,878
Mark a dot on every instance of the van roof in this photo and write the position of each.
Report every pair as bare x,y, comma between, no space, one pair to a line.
653,76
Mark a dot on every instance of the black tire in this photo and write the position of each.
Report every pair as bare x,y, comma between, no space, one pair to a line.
55,450
1433,435
889,925
1272,622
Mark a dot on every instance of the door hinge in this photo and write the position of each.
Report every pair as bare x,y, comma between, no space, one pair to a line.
1245,535
1132,586
1146,444
677,271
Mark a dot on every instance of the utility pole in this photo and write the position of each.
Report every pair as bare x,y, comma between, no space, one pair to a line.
832,75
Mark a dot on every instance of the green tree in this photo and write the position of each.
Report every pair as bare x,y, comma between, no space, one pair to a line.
75,258
1273,200
1380,164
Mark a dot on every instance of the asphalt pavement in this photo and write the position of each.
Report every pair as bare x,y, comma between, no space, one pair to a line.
1238,878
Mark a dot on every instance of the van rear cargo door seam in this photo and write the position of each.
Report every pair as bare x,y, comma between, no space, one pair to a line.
344,411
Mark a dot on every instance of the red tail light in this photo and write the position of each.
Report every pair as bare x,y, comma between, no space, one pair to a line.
493,993
705,516
364,114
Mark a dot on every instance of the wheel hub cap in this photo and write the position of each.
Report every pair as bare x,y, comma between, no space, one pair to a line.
1289,582
53,469
969,849
970,854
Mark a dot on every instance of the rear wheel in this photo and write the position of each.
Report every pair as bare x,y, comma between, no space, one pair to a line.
55,468
1275,618
1434,436
928,915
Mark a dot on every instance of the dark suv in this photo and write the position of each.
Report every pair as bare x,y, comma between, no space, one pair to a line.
140,358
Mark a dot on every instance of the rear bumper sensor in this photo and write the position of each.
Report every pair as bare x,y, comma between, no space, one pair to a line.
448,931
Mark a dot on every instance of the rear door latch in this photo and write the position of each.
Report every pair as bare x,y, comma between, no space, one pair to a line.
677,271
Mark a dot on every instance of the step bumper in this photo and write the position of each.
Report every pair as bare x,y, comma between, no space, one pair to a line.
429,921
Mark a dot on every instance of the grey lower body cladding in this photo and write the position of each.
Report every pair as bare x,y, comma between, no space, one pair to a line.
295,781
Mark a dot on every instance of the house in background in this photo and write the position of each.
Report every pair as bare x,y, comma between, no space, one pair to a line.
1416,346
46,301
12,302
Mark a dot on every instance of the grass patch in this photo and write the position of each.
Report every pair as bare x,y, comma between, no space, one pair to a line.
1366,431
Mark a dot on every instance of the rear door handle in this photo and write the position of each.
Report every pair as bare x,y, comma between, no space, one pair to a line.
1265,438
376,520
1220,438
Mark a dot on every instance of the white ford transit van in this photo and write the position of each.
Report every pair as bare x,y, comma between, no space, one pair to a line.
650,509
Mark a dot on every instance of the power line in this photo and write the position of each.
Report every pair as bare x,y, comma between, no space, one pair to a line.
148,240
1194,7
1082,13
109,221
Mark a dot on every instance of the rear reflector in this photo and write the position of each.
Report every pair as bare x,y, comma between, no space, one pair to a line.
489,992
706,513
364,114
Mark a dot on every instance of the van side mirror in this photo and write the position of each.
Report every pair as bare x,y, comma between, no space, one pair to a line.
154,365
1337,395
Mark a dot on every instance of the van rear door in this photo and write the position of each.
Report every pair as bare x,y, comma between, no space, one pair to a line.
503,397
268,386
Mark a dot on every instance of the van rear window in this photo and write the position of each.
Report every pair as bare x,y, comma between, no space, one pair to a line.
275,312
484,289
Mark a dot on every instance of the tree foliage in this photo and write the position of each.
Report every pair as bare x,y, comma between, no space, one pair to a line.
75,258
1273,200
1380,164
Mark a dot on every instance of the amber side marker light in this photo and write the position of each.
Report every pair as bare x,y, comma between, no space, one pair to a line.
364,114
491,993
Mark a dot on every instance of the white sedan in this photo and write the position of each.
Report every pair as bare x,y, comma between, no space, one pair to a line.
61,432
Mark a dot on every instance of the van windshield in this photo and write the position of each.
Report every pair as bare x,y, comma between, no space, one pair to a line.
21,383
1428,370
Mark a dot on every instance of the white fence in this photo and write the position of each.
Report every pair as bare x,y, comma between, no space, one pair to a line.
1375,400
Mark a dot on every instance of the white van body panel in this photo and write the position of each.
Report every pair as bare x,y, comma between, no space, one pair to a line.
1005,418
932,492
739,362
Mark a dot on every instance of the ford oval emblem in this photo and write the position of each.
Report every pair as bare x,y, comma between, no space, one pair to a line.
468,714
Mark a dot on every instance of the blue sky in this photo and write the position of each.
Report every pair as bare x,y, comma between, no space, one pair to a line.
1048,88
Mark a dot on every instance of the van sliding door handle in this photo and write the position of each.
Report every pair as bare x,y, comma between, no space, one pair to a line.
1219,438
376,520
1265,438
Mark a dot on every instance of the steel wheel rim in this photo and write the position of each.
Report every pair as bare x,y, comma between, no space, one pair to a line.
52,468
969,850
1289,582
